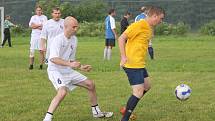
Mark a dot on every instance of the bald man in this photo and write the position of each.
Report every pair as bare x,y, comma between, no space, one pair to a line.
61,71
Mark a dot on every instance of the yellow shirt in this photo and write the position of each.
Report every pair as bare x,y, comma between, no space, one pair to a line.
139,34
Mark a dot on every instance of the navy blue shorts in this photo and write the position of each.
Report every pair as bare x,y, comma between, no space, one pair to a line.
110,42
136,75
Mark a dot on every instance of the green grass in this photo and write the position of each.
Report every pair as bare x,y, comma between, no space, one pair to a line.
25,95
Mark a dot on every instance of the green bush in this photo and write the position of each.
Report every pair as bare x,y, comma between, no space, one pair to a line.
89,10
91,29
170,29
208,29
20,30
86,10
180,29
163,29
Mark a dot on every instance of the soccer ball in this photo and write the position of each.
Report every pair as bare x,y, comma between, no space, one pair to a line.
182,92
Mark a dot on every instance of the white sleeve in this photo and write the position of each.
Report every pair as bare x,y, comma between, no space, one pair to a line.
55,48
112,23
31,21
135,20
44,33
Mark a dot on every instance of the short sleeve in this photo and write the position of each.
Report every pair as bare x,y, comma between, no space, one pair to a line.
31,21
129,31
112,23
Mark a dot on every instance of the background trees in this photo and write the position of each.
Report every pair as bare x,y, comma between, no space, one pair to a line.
193,13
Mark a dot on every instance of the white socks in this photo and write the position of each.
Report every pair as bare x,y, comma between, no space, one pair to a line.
105,53
95,109
108,54
48,117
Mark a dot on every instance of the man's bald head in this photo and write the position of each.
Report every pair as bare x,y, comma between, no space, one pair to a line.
71,25
70,21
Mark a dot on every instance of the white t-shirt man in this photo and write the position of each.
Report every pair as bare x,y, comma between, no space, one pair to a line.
35,34
65,49
50,30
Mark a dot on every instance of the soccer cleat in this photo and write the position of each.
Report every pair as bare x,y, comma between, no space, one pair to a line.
31,67
99,115
46,61
132,117
41,67
47,120
122,110
103,115
108,114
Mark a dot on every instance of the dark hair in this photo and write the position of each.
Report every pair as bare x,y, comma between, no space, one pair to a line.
55,8
155,10
111,11
127,13
7,16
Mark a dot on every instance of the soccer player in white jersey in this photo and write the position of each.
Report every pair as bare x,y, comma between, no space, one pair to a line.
62,73
51,29
36,23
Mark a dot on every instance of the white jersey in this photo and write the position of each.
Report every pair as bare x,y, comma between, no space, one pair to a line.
50,30
63,76
35,34
63,48
37,20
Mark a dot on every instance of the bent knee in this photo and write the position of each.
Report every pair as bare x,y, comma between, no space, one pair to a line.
61,93
138,92
147,88
31,54
90,85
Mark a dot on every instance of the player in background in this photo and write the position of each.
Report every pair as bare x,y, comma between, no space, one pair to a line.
124,22
143,15
110,33
7,26
62,73
36,24
133,55
51,29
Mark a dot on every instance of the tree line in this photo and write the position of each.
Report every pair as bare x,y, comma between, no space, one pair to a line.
192,12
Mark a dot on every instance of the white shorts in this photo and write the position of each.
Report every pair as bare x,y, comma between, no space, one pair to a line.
66,79
35,43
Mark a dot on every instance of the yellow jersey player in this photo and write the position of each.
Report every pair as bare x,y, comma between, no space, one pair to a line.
133,54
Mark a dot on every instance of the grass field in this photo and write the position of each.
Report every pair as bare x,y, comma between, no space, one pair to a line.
25,95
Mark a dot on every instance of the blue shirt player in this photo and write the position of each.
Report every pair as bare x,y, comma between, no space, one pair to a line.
140,16
110,33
